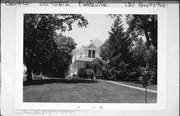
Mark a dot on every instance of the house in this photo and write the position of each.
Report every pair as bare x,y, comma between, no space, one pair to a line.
83,56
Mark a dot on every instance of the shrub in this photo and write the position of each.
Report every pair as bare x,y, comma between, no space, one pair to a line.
113,77
105,73
147,76
122,72
82,73
133,76
98,76
90,73
68,77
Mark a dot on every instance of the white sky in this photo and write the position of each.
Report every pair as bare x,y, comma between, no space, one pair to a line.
98,27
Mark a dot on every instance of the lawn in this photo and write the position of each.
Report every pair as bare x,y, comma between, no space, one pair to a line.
82,91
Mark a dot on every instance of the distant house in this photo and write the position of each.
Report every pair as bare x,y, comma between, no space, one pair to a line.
83,56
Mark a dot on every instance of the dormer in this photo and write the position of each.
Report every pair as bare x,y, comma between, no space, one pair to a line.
91,46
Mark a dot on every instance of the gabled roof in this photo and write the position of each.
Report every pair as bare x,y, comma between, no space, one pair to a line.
96,42
92,46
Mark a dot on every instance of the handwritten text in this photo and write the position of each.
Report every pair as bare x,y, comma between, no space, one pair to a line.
92,4
145,4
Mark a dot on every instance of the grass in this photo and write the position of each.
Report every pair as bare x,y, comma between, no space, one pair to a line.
82,91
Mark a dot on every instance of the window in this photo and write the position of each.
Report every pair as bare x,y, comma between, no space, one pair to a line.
89,53
93,53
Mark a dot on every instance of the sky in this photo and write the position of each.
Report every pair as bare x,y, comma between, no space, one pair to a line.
98,27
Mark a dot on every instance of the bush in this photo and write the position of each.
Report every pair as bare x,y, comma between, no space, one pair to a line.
98,76
90,73
113,77
82,73
106,73
147,76
69,77
122,72
133,76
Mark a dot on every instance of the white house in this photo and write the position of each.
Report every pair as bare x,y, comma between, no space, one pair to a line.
83,56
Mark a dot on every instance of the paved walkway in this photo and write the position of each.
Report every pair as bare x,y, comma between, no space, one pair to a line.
130,86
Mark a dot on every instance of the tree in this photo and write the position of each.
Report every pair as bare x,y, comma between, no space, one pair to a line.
144,25
39,44
144,56
63,56
145,53
146,78
116,50
140,53
98,63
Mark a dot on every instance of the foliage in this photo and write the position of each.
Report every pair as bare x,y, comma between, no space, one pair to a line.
139,53
127,50
39,45
147,76
90,73
82,73
98,63
146,57
106,73
85,73
63,56
88,65
116,51
144,52
144,25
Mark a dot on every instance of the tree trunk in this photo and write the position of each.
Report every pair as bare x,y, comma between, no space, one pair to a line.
154,36
29,73
147,38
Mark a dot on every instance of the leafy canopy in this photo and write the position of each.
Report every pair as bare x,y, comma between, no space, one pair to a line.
40,41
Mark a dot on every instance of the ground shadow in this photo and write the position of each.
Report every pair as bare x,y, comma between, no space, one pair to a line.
49,81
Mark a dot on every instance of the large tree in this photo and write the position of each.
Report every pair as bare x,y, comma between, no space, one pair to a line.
116,50
145,53
63,54
144,25
39,44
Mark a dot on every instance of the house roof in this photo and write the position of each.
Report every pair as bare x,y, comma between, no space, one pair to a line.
96,42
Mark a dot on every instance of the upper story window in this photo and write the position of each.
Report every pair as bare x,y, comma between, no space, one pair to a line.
91,53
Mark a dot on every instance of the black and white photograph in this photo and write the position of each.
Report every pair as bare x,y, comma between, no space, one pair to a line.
90,58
